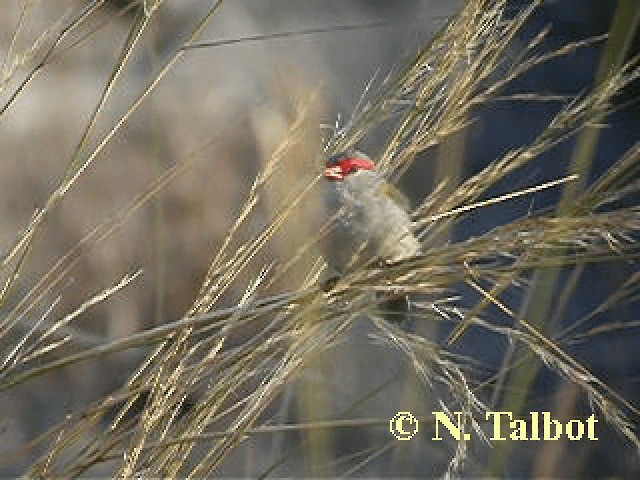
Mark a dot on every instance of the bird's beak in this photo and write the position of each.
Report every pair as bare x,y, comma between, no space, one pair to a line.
333,172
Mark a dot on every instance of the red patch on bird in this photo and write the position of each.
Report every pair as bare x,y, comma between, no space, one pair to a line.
345,166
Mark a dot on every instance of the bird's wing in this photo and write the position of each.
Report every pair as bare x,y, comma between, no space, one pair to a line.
395,194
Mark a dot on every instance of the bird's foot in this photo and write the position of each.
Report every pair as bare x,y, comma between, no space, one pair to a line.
330,283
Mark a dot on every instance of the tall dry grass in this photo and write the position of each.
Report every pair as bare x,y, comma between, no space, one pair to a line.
260,375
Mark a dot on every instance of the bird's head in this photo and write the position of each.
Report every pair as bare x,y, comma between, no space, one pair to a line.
343,164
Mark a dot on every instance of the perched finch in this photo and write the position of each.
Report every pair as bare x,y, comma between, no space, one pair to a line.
374,224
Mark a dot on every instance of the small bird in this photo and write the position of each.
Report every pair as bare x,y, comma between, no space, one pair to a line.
375,223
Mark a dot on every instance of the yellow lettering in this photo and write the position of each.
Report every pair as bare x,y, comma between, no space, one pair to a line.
496,423
548,423
519,430
454,430
535,426
575,435
591,427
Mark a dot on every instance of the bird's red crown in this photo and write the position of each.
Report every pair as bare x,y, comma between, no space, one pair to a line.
343,164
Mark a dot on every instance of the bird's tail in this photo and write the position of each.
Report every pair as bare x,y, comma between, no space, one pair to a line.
396,308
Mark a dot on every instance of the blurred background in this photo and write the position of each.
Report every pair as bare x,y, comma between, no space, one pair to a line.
227,108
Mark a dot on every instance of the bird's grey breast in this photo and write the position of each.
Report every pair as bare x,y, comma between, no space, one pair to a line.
346,204
371,224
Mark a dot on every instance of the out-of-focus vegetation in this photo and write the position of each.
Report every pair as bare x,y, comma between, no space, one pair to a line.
162,310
